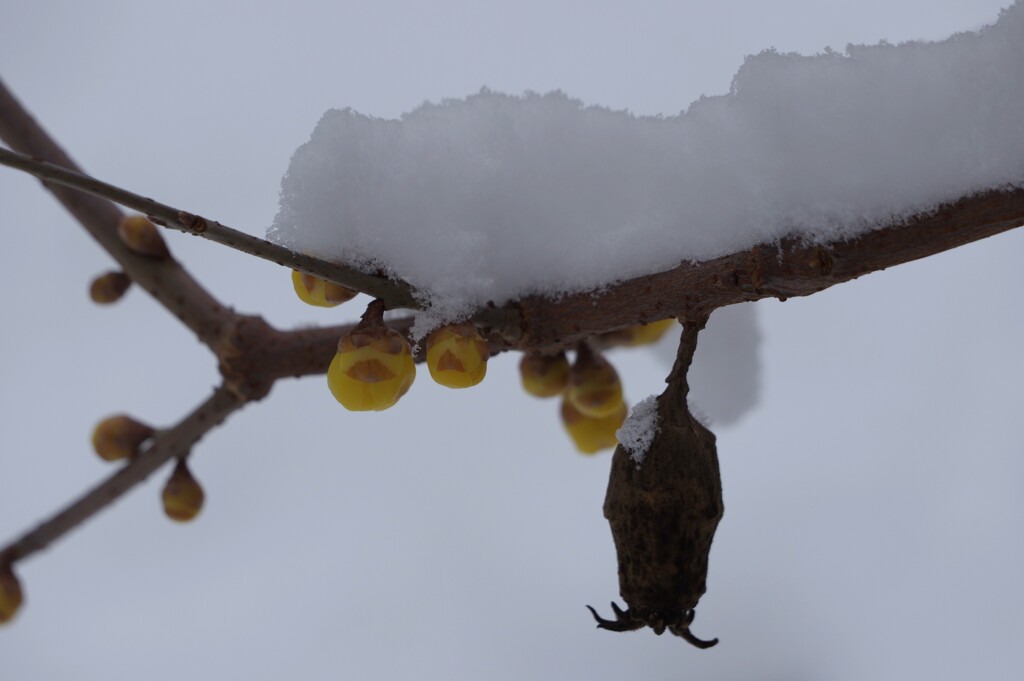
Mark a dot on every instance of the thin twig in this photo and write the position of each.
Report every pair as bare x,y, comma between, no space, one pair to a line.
166,280
678,385
174,442
394,292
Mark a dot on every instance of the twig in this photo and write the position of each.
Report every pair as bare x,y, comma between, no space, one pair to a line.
678,384
166,280
395,292
175,442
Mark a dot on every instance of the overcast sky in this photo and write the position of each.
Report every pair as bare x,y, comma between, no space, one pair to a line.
872,525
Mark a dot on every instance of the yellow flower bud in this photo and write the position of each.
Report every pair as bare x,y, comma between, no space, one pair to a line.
372,369
119,437
591,435
108,288
11,596
642,334
182,496
646,334
594,386
457,356
544,375
315,291
141,236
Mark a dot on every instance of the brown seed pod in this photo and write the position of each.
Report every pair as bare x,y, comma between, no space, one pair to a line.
141,236
108,288
663,513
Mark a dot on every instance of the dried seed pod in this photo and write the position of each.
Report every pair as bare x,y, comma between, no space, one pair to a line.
457,356
594,385
108,288
589,434
141,236
119,437
544,375
663,515
319,293
182,496
373,367
11,596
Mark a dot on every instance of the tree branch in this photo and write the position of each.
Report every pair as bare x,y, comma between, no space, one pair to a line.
784,270
394,292
781,270
167,444
165,279
253,355
789,268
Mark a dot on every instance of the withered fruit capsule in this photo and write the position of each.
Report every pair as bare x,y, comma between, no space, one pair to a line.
663,512
457,356
544,375
119,437
319,293
182,496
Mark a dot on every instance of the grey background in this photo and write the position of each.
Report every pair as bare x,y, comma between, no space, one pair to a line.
872,524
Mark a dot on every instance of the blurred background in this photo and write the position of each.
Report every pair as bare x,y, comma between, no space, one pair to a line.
872,525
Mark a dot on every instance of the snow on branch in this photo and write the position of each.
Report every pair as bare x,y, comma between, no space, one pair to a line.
496,197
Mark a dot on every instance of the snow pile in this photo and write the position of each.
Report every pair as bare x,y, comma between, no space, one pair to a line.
496,196
637,432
